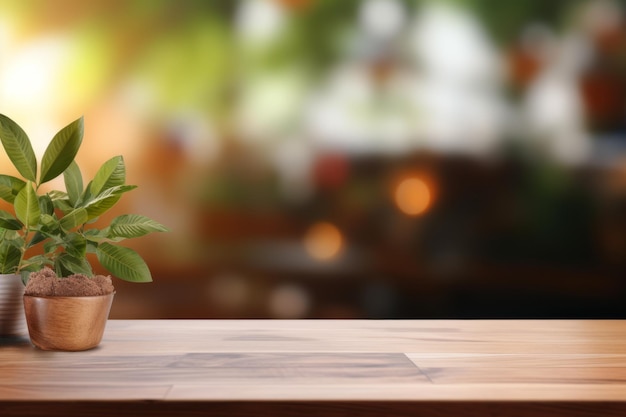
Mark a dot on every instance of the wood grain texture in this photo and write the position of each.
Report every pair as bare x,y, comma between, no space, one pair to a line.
67,323
335,367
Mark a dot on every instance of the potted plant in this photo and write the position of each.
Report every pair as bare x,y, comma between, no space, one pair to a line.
49,234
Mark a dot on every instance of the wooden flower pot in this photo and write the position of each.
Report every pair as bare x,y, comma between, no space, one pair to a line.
67,323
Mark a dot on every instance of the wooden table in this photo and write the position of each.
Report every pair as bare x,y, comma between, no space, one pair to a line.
330,368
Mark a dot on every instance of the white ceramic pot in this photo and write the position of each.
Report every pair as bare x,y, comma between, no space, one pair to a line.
12,321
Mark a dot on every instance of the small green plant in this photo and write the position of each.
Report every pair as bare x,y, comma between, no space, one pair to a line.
56,228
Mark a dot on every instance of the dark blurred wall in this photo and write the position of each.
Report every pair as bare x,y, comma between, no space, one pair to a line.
362,159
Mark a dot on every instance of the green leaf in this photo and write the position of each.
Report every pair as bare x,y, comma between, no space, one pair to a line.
61,201
16,240
53,239
48,222
64,206
73,183
134,225
27,206
50,246
62,150
112,173
9,187
9,257
74,219
45,204
58,195
9,234
18,147
67,264
97,236
36,262
7,221
123,262
25,272
105,200
86,196
102,206
38,238
92,247
76,245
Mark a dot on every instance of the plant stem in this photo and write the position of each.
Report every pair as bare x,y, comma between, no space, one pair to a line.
23,251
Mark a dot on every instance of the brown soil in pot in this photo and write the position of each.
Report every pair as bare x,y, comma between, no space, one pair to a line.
46,283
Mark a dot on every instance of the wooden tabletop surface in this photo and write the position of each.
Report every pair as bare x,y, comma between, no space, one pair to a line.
326,367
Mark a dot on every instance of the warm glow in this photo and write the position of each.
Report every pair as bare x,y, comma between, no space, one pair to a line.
412,196
289,301
33,76
323,241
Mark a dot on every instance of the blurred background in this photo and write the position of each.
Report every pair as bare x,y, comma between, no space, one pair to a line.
345,159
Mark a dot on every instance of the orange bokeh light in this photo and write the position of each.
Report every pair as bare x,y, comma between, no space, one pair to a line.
413,196
323,241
